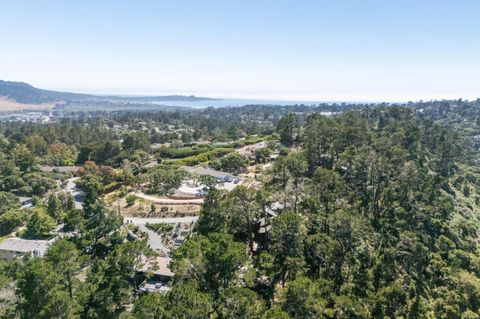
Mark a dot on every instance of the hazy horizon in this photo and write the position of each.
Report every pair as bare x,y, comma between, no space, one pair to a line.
371,50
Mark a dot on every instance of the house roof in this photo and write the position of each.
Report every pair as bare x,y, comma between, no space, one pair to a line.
200,170
25,245
60,169
158,266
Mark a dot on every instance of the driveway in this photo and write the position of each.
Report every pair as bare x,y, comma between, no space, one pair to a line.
77,194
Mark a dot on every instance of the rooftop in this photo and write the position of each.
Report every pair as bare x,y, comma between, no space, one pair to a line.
158,266
25,245
200,170
60,169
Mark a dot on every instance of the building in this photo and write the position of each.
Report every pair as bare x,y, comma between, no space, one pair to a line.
218,175
161,275
17,247
60,169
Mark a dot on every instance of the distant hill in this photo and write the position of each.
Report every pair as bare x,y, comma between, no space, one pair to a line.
21,92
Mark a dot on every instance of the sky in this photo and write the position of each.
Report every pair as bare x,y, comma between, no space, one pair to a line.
336,50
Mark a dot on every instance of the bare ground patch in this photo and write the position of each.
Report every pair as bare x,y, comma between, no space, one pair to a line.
143,208
7,105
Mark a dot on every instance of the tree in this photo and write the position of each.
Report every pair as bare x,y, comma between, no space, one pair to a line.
39,224
187,300
41,293
262,155
92,190
36,144
275,313
213,214
302,298
207,180
10,221
111,283
165,179
287,128
224,257
151,306
297,167
287,236
101,231
136,141
234,163
240,303
325,189
54,207
212,261
130,199
63,256
23,157
244,213
38,185
60,154
8,201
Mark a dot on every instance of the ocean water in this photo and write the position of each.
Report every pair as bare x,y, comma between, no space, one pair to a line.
232,102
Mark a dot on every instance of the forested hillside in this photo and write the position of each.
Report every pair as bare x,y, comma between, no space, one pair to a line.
25,93
371,213
380,221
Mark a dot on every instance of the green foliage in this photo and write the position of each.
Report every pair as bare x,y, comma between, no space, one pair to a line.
165,179
10,220
8,201
42,293
239,302
130,199
372,214
160,228
287,128
136,141
262,155
201,157
214,261
39,224
234,163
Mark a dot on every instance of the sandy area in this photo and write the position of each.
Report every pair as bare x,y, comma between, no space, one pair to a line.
7,105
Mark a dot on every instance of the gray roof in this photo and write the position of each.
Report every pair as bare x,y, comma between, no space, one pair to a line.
158,266
60,169
25,245
200,170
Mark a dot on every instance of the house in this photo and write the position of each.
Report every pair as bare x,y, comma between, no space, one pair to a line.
218,175
161,275
60,169
17,247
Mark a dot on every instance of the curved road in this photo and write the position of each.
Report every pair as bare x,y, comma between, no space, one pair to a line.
169,201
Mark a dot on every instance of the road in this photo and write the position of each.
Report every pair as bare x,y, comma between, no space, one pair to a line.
167,220
154,240
169,201
77,194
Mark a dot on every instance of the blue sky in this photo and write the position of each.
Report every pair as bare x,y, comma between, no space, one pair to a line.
337,50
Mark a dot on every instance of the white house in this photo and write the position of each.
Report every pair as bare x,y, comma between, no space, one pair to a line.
17,247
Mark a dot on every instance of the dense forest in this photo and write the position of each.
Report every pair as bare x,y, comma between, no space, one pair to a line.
369,212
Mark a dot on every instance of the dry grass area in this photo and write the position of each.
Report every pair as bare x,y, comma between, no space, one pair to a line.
7,105
143,208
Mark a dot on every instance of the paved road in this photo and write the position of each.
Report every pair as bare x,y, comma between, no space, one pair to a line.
169,201
168,220
154,240
77,194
